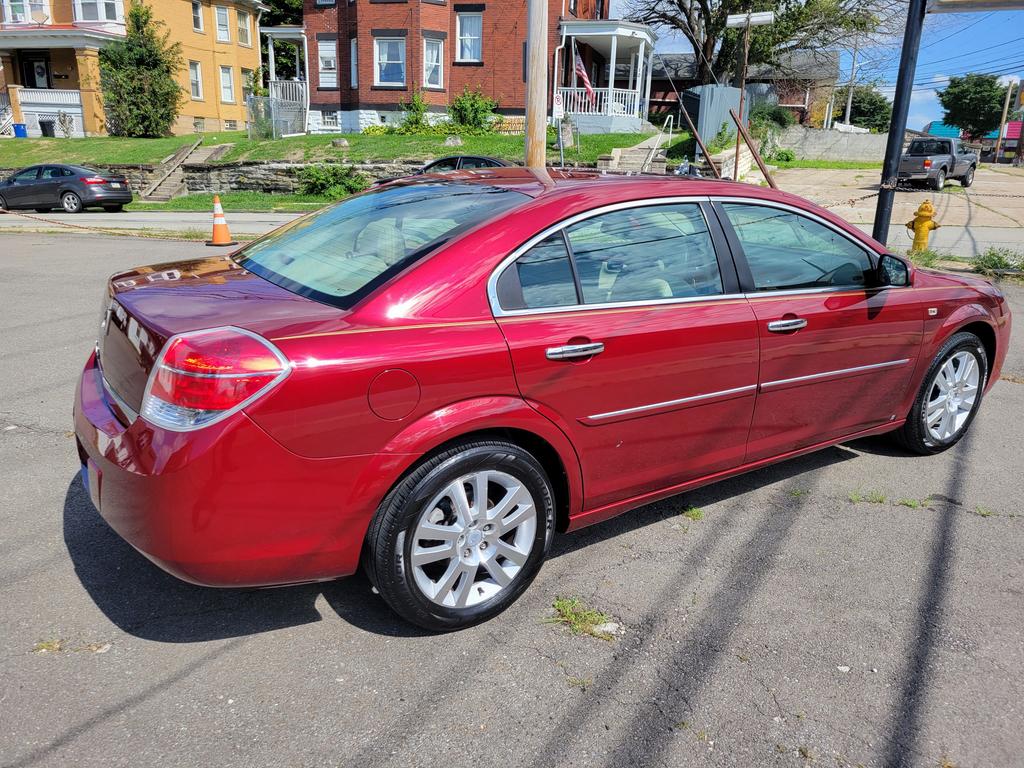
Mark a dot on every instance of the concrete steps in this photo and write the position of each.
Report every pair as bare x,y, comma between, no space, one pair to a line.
173,184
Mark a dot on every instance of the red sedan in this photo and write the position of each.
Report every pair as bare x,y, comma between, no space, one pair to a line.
433,378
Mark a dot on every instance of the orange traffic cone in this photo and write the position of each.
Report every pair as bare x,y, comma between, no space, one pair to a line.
221,233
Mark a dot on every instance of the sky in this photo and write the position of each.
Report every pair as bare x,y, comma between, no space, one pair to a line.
952,44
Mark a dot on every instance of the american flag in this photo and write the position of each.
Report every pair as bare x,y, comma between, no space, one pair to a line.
581,72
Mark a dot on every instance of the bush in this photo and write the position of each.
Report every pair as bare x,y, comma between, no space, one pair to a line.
926,258
723,140
415,120
473,110
772,113
781,156
331,180
995,260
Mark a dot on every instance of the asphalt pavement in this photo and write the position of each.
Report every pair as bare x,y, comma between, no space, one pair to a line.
787,626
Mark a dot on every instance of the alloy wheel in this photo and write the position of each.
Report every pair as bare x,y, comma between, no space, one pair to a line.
951,396
71,203
473,539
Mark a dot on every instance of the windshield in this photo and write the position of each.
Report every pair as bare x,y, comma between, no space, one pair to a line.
343,252
928,147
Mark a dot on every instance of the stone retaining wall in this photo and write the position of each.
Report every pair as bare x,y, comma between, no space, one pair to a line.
265,176
816,144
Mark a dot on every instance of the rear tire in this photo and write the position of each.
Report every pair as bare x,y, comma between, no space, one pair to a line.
968,178
939,181
3,204
949,397
478,557
113,208
71,203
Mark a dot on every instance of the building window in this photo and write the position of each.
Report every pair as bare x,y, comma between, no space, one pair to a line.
470,32
353,63
198,124
99,10
327,55
248,84
389,53
223,26
26,11
227,85
197,16
328,119
195,80
573,6
433,67
244,37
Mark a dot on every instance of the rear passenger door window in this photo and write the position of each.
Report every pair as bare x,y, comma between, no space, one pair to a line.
645,254
540,278
787,251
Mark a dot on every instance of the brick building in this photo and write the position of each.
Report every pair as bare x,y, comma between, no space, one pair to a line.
367,56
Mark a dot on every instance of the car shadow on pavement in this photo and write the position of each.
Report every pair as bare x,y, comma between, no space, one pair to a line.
144,601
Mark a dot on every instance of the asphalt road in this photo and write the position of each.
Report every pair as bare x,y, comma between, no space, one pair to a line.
789,625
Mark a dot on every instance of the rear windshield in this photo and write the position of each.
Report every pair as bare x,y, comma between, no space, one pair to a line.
928,147
343,252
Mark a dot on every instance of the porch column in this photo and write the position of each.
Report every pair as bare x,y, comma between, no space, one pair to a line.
87,60
14,94
641,61
298,63
271,65
646,106
611,75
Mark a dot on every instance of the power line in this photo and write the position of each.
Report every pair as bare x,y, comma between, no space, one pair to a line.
971,53
957,32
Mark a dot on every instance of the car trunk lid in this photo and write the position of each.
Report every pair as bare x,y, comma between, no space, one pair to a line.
145,307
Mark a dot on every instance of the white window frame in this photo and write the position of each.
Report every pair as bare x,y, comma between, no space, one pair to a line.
198,6
376,61
427,42
198,81
227,23
329,118
327,51
247,27
353,62
459,36
101,5
43,6
246,75
231,71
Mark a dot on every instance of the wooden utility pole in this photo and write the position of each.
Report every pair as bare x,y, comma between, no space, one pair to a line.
743,89
1002,121
536,84
853,79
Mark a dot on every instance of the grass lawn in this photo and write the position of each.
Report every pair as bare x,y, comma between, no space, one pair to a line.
382,148
237,201
840,165
101,150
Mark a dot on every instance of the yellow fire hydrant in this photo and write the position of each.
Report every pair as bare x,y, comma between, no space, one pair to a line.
922,224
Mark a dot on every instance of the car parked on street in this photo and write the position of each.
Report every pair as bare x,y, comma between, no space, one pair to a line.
455,163
72,188
433,378
935,160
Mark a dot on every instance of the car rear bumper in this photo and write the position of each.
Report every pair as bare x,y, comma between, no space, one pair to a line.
917,175
96,195
224,506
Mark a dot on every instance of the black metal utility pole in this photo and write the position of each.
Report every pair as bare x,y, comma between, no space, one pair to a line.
898,125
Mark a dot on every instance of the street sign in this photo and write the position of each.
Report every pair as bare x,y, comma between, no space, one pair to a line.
558,107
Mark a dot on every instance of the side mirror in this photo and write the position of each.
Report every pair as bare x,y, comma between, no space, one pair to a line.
893,271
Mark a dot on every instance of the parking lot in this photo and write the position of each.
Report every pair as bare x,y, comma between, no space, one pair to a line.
858,606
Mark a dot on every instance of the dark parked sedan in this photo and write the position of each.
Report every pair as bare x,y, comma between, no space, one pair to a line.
456,163
70,187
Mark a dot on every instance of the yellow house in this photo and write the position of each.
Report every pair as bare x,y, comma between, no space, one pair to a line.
49,61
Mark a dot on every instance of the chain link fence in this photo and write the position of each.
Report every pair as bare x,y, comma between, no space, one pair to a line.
272,118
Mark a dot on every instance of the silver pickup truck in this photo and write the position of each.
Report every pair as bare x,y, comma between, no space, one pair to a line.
934,160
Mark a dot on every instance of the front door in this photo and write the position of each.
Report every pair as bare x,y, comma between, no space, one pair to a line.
837,352
50,179
627,331
35,70
21,191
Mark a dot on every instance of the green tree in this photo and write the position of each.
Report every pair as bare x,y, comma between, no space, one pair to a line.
973,103
869,108
278,13
141,96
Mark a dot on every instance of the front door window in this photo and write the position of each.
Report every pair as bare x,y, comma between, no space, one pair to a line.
36,72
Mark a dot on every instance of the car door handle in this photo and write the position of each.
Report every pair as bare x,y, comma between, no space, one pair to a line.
785,326
574,351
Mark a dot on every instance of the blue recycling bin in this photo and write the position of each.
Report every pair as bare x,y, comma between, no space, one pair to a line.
20,131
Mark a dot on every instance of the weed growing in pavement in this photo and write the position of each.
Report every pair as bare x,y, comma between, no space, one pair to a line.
580,618
49,646
796,493
912,503
1012,378
983,512
693,513
805,753
578,682
870,497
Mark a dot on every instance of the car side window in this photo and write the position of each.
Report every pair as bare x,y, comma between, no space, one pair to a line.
475,162
540,278
647,253
787,251
51,172
443,165
29,174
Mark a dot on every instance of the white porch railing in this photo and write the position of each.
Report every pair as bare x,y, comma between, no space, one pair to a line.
578,102
50,97
288,90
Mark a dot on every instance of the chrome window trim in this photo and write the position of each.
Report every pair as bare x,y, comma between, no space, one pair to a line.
670,403
128,411
838,372
492,281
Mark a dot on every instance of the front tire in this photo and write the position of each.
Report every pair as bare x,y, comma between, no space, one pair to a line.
461,537
71,203
949,398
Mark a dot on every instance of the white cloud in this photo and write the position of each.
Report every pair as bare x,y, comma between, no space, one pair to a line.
1008,79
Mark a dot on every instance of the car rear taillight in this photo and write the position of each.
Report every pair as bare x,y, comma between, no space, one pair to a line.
202,377
927,162
93,180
